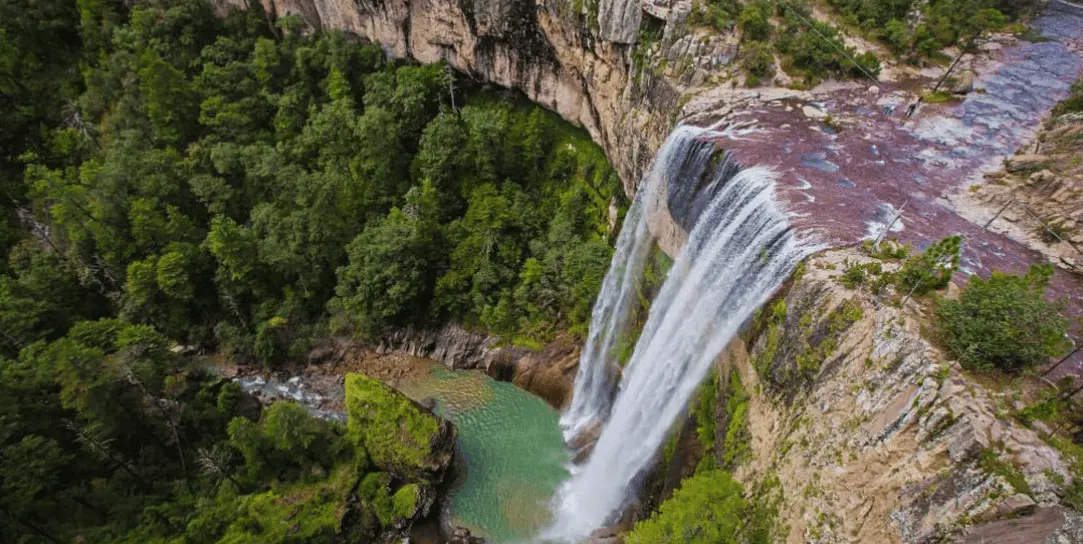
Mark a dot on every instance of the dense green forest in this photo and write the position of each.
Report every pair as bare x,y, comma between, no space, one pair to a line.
232,183
176,181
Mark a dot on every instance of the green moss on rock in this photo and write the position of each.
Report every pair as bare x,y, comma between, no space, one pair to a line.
400,436
404,502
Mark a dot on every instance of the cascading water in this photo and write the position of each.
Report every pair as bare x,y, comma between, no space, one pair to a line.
739,251
595,379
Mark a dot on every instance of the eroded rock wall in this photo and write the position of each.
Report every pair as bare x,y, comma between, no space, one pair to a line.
548,372
558,57
876,435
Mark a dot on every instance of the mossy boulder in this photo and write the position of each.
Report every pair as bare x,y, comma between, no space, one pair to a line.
399,435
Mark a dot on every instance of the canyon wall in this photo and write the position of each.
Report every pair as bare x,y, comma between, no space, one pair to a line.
875,435
548,372
557,56
877,439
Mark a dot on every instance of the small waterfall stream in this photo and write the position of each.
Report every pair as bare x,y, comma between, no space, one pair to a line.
740,249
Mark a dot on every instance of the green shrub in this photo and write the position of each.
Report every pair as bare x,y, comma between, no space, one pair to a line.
1073,103
1048,407
758,62
932,269
707,509
943,22
712,508
1003,323
735,442
816,50
990,461
717,14
1073,454
855,275
704,411
753,23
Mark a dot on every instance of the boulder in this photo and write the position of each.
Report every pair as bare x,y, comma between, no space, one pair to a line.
965,83
461,535
813,112
605,535
399,435
1015,505
1041,177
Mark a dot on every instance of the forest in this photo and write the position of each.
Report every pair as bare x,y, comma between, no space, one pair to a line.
176,183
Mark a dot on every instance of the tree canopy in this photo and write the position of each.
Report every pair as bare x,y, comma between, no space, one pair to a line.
175,182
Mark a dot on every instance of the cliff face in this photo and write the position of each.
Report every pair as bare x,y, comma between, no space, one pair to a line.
877,439
548,373
876,435
576,63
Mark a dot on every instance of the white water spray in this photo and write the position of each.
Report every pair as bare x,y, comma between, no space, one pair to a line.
739,251
596,377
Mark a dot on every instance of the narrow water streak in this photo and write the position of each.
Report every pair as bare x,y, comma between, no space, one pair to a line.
739,251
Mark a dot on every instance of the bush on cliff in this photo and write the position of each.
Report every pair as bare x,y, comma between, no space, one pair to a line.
707,509
712,508
1004,323
942,23
930,270
815,50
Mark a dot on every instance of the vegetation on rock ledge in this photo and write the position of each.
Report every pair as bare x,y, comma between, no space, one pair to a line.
1004,323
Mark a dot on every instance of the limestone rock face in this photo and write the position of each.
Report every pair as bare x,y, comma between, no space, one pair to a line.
619,20
556,56
548,372
451,344
878,437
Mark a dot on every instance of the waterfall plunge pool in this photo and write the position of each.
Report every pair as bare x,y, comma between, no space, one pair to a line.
510,455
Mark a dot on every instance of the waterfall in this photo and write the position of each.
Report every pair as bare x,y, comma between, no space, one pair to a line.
740,249
595,378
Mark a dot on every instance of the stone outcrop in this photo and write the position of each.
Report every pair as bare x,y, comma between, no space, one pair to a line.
400,436
877,436
451,344
1043,183
548,372
618,20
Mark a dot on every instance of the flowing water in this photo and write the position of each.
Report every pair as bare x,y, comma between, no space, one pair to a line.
739,251
594,379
